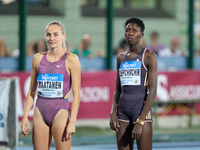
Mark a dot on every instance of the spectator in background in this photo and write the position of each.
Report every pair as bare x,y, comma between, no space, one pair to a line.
4,50
124,45
83,47
100,53
173,50
30,50
68,46
197,53
198,35
155,46
40,46
119,50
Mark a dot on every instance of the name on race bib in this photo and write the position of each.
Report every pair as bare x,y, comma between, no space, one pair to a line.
50,85
130,73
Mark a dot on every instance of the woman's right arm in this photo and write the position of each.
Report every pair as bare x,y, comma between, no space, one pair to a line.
31,94
114,124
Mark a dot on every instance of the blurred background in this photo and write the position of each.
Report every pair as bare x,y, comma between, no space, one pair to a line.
95,32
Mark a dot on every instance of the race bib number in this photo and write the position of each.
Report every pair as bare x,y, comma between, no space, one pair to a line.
50,85
130,73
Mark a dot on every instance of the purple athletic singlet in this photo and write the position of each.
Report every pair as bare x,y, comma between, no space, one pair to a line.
54,83
133,78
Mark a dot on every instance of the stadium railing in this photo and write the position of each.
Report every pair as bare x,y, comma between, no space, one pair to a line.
99,63
177,102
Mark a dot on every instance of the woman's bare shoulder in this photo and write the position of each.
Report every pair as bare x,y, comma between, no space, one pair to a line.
72,57
150,54
150,58
37,58
38,55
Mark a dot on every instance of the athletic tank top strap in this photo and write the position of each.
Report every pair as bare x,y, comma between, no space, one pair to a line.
139,57
63,58
125,54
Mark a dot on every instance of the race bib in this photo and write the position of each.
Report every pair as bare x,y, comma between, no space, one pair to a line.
50,85
130,73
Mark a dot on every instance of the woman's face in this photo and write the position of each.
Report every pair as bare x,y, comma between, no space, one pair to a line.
133,33
54,36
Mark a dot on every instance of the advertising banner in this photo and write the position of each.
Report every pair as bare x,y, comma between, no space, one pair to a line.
97,89
178,86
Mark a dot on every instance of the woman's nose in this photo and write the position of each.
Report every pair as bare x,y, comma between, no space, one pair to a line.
130,33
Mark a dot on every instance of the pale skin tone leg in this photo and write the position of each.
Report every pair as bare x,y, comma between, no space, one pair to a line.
58,130
41,139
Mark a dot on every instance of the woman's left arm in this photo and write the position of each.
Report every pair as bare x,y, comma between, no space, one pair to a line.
151,63
75,73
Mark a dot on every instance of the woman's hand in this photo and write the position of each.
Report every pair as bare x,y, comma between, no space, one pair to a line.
71,129
137,131
25,123
114,122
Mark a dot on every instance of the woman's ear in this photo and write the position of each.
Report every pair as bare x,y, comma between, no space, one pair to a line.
64,36
141,34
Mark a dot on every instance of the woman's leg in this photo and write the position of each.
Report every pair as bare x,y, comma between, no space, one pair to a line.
41,132
145,141
123,135
58,130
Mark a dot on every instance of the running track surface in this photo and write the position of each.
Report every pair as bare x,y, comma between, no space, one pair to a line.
156,146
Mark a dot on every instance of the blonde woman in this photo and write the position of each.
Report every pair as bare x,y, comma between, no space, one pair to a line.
53,74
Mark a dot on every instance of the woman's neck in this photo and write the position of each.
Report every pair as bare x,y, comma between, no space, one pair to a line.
55,54
135,48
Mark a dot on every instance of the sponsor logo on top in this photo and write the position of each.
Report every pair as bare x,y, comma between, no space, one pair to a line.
130,65
47,77
127,65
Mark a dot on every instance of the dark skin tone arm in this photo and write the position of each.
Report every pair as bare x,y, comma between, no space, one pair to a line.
114,123
151,64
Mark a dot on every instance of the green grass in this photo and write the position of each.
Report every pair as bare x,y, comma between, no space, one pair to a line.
83,135
83,131
194,130
93,131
